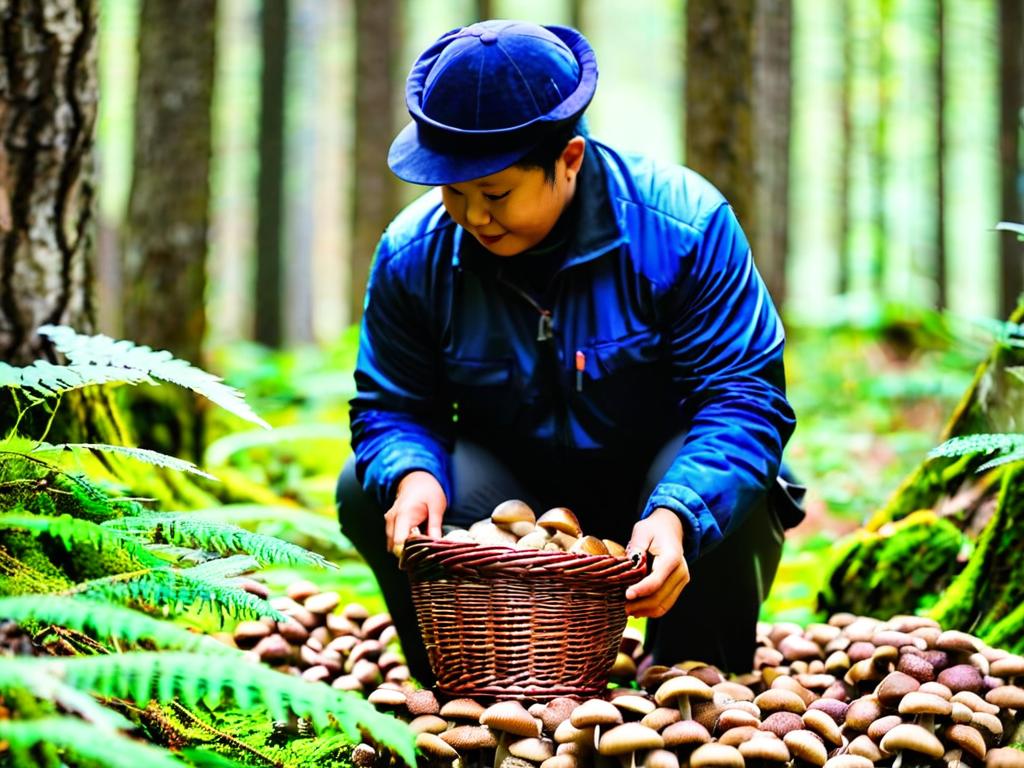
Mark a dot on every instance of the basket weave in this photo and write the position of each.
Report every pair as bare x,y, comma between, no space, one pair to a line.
505,623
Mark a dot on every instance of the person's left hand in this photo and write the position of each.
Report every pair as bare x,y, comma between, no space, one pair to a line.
660,534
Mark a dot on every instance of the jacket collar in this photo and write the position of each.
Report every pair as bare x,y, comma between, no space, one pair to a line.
597,228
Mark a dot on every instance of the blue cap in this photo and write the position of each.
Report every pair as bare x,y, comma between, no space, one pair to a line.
481,97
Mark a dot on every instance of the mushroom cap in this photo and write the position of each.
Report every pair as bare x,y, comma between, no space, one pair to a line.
789,683
957,642
863,712
991,727
866,748
510,717
684,685
877,730
460,535
422,702
939,689
1006,696
917,703
559,761
434,746
560,520
567,733
733,690
962,677
781,723
634,704
386,697
532,748
513,511
589,545
805,745
894,687
629,737
595,712
556,711
917,667
736,736
822,724
914,738
487,534
614,548
428,724
716,756
462,709
662,717
733,718
1008,666
685,733
769,750
848,761
1004,757
975,702
661,758
469,737
967,738
780,700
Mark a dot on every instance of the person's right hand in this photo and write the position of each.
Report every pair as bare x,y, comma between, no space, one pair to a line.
420,499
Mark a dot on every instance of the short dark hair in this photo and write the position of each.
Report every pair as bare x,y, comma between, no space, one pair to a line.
546,154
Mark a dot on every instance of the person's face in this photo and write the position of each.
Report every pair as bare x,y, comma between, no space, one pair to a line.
511,211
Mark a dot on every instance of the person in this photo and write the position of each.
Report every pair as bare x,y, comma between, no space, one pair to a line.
561,323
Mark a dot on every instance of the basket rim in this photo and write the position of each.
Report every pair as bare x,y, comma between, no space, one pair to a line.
422,553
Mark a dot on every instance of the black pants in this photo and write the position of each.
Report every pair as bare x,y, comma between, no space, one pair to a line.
714,619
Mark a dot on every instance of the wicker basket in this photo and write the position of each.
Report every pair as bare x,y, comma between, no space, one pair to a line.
505,623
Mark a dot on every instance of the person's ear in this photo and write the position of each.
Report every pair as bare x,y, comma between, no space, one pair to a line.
572,156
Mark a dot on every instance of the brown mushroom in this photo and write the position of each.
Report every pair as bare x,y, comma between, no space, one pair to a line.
508,718
626,740
596,714
560,520
925,706
964,738
435,749
806,748
681,690
913,738
716,756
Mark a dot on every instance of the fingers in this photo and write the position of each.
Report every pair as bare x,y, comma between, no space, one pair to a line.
662,599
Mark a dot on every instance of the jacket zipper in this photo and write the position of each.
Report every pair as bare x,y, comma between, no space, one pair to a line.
545,332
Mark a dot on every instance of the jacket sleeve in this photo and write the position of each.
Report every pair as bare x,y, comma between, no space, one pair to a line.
395,417
726,348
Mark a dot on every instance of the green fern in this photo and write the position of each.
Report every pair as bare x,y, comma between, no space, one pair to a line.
1009,226
104,746
43,379
176,592
184,530
102,352
289,519
45,687
1011,445
145,455
107,621
72,532
1005,333
189,678
222,570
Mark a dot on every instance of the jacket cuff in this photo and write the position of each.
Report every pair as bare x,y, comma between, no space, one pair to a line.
690,508
386,471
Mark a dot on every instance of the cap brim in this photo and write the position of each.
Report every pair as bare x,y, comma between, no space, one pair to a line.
411,160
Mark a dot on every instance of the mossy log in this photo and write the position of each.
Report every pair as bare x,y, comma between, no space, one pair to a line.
949,541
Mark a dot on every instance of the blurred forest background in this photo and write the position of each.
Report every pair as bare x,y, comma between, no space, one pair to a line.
237,186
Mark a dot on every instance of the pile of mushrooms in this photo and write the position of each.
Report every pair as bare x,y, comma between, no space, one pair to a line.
850,693
514,524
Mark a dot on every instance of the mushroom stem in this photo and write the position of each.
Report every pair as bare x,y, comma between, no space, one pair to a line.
899,759
597,736
956,763
928,721
684,708
501,751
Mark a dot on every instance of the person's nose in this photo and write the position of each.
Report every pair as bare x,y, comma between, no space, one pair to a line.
477,214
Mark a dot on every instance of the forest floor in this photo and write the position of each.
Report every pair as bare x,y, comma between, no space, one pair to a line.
871,402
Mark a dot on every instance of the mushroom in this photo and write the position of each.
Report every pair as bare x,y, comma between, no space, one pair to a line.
877,730
628,739
1010,668
914,738
781,723
532,748
488,534
894,687
806,748
560,520
780,700
764,753
925,706
716,756
428,724
848,761
661,758
864,747
962,677
661,717
559,761
462,711
633,706
681,690
736,736
684,736
508,718
965,739
595,713
363,756
556,711
435,749
589,545
515,516
822,724
467,739
1005,757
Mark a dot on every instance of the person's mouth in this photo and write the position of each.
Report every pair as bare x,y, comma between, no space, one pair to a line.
490,239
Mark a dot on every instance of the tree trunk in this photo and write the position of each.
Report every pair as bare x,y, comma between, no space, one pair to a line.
720,123
168,213
941,268
576,15
772,100
270,209
374,195
168,210
1011,99
484,9
880,156
846,148
47,113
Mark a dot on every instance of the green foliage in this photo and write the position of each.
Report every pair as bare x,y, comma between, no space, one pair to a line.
73,533
1010,445
153,458
190,679
142,363
105,621
105,746
184,530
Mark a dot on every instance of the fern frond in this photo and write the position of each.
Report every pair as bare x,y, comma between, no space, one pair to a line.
999,461
188,678
177,592
154,458
72,532
103,352
43,379
105,747
295,518
102,620
186,531
1010,226
1004,332
980,443
46,687
222,569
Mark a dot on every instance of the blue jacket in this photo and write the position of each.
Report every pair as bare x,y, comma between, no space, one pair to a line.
658,302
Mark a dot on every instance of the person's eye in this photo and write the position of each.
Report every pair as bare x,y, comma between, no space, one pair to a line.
497,197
